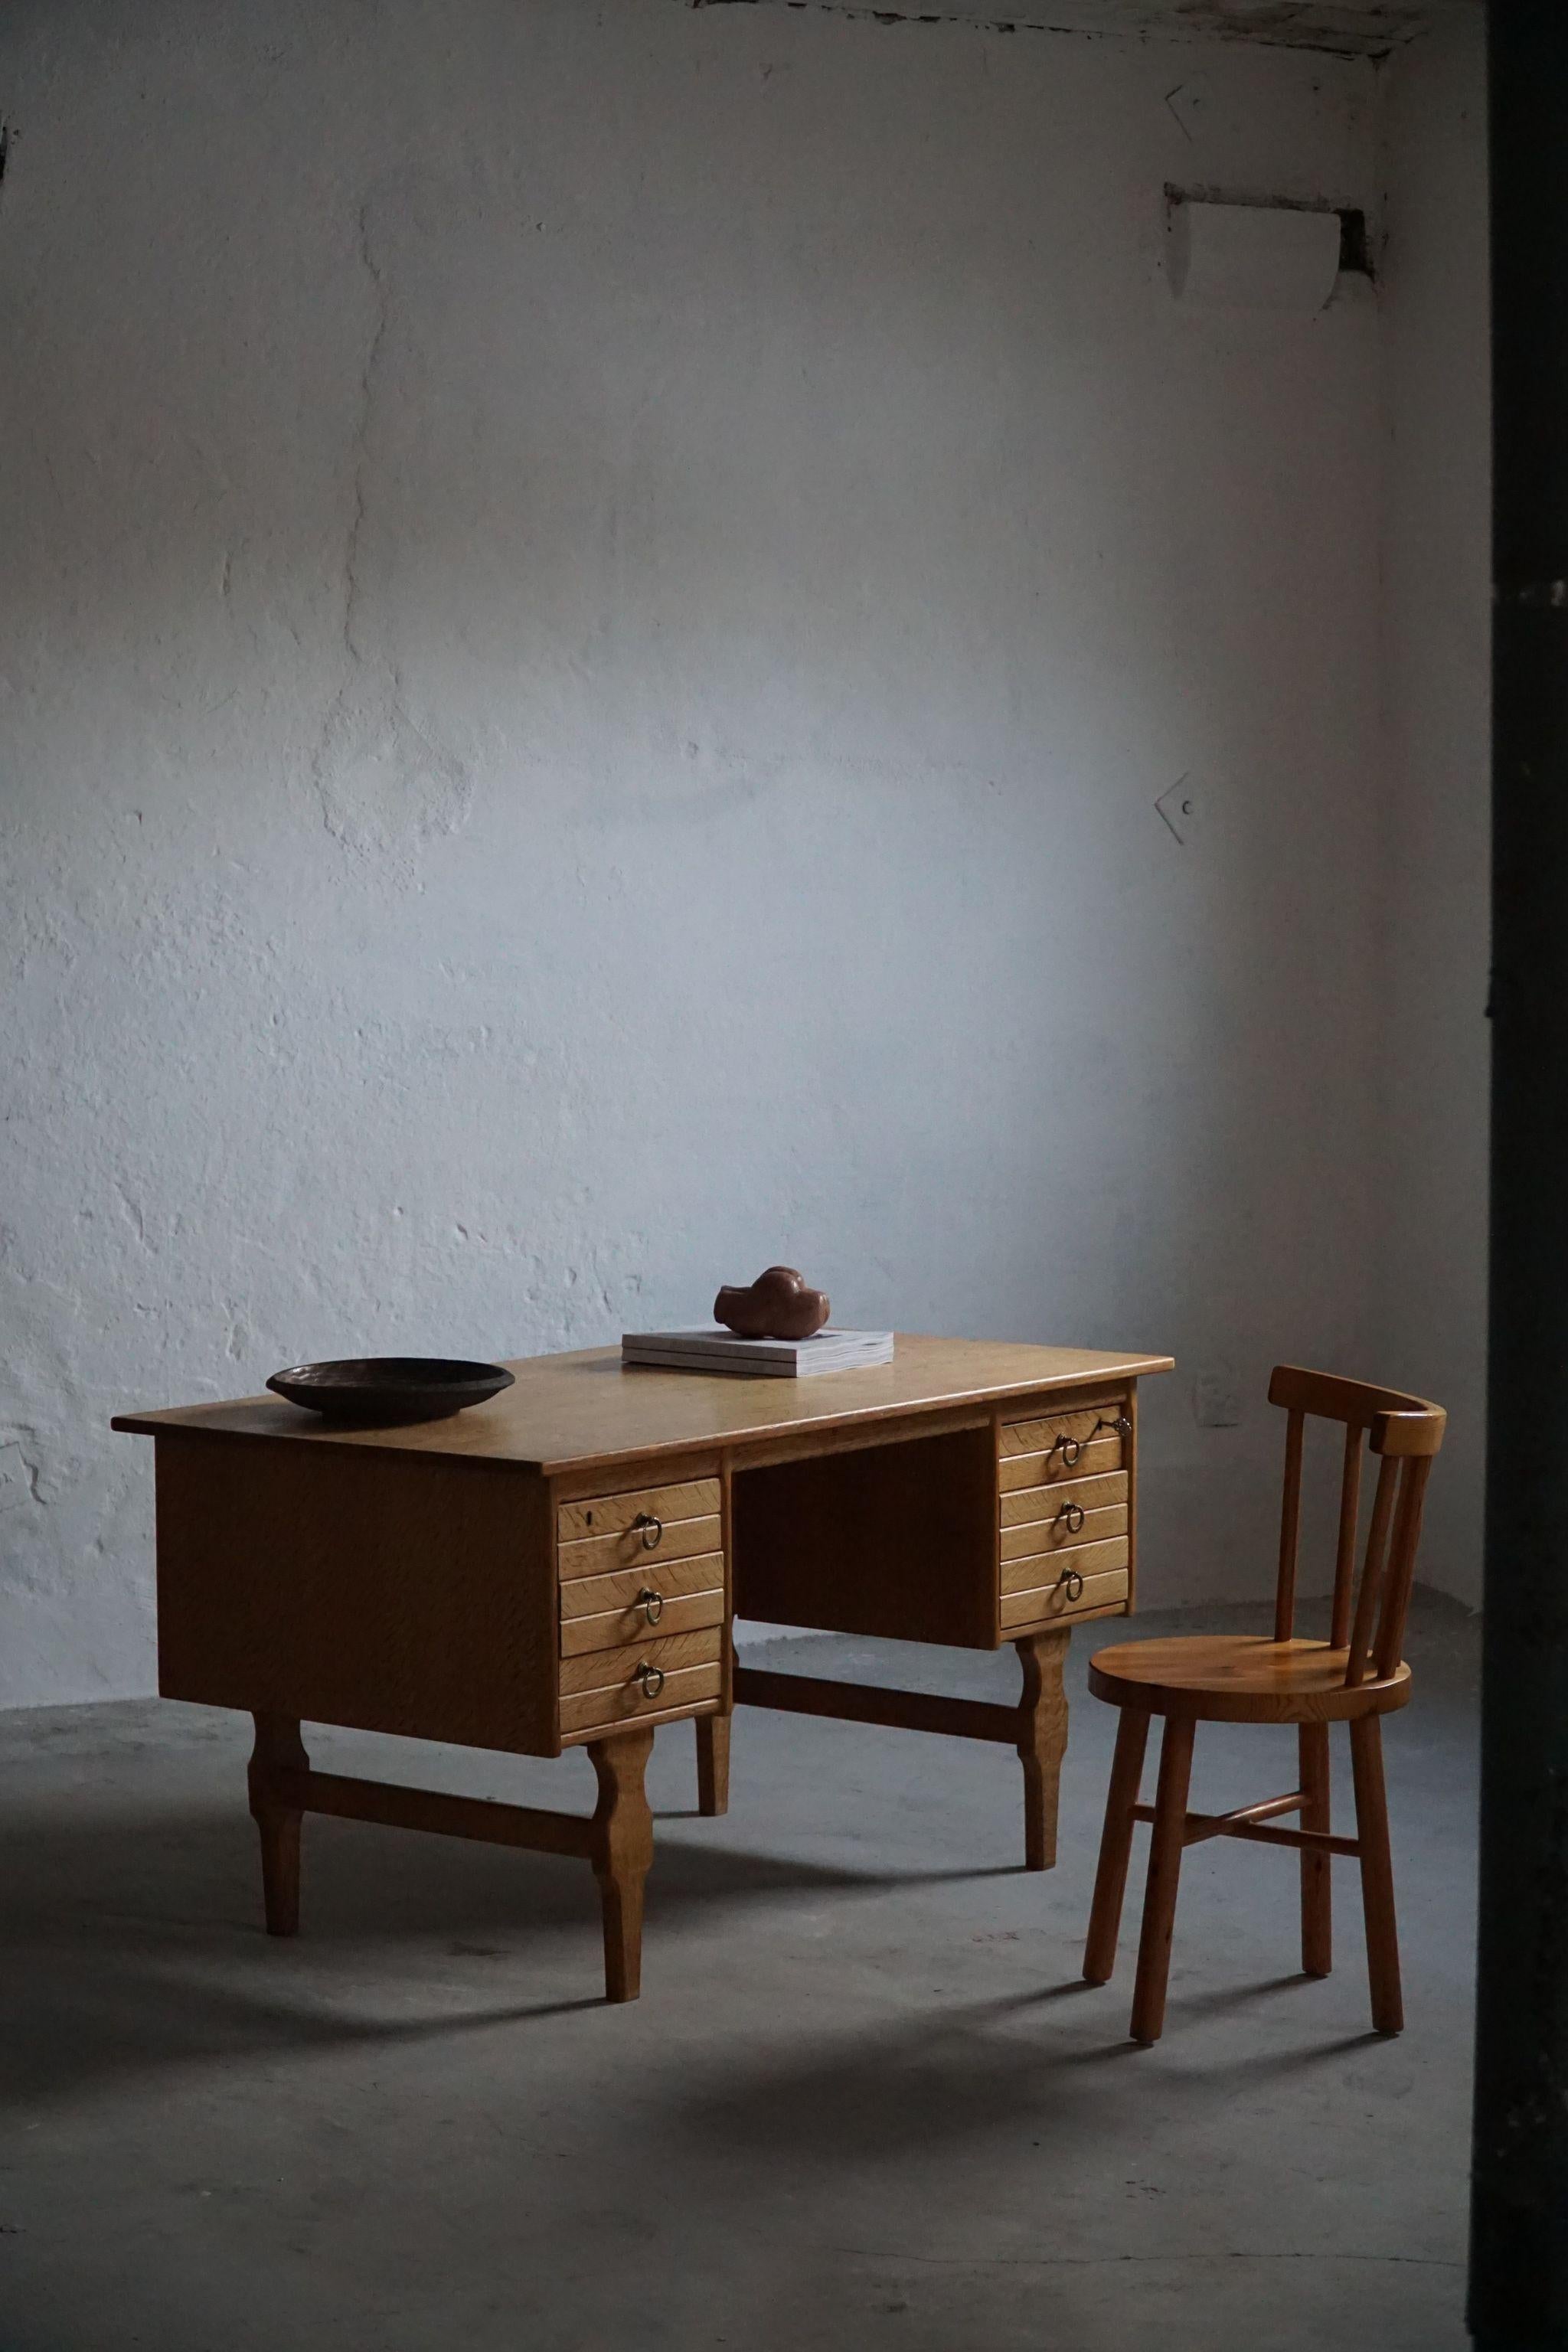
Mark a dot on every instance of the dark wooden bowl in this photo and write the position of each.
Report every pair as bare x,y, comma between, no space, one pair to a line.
379,1391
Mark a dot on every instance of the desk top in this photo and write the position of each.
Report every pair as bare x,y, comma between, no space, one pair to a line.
571,1413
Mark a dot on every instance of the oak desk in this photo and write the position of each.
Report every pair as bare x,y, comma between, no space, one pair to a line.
560,1567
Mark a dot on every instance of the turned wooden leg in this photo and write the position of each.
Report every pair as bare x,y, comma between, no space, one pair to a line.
1377,1875
623,1850
279,1750
1042,1741
1317,1899
1164,1873
713,1763
1115,1845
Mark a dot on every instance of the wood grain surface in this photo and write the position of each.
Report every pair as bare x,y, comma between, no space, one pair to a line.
590,1596
1055,1535
1046,1568
571,1413
1019,1507
1021,1472
900,1541
1045,1604
583,1712
390,1595
596,1517
630,1623
1237,1678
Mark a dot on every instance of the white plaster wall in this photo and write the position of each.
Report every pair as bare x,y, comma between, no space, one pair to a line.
1436,639
596,603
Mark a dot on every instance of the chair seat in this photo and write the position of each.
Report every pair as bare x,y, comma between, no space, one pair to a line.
1240,1678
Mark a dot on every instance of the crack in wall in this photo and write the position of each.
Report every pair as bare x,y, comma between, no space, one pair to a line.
1355,32
360,438
377,773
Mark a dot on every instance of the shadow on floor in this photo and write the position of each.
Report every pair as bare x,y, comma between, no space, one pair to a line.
126,1946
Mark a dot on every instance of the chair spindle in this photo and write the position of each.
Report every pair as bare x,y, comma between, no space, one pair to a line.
1289,1529
1345,1558
1372,1573
1401,1569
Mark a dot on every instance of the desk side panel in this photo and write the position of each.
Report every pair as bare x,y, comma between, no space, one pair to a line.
390,1593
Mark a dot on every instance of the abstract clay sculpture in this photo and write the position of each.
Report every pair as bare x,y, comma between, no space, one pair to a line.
777,1306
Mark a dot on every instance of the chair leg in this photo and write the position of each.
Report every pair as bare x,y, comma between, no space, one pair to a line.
1377,1875
279,1750
1164,1873
623,1850
1317,1900
713,1763
1115,1845
1042,1742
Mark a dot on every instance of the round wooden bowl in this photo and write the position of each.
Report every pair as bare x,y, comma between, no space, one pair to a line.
384,1389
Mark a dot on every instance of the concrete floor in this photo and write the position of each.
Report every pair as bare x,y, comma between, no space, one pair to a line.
864,2100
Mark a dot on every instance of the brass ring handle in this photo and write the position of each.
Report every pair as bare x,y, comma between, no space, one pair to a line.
1070,1448
651,1679
1072,1583
1073,1513
650,1529
651,1604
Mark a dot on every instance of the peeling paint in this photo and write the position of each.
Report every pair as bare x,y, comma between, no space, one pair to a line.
18,1470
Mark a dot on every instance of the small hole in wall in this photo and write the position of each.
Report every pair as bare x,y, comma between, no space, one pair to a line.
1355,254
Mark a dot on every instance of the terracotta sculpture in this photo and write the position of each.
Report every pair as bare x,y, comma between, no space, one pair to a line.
778,1306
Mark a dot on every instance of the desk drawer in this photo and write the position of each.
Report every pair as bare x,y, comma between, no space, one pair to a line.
1064,1530
1026,1505
633,1547
670,1596
1047,1603
1054,1447
610,1686
675,1521
606,1710
631,1663
1039,1568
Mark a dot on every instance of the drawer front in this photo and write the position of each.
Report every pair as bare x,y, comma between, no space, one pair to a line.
608,1515
1018,1471
630,1547
1046,1568
1052,1602
1053,1446
603,1710
1036,1503
1065,1531
633,1664
1047,1432
672,1579
628,1619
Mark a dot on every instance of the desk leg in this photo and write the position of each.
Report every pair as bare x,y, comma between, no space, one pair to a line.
622,1851
1042,1741
278,1749
713,1763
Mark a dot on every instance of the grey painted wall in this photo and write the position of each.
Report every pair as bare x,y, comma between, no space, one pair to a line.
1437,637
596,603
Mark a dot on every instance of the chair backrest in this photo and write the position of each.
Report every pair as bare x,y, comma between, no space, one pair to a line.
1405,1433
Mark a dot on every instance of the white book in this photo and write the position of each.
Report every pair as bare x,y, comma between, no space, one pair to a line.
714,1349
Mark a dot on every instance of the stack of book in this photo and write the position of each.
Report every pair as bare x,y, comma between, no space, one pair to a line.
714,1349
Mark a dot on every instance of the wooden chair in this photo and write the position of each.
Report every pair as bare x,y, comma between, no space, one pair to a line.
1357,1676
